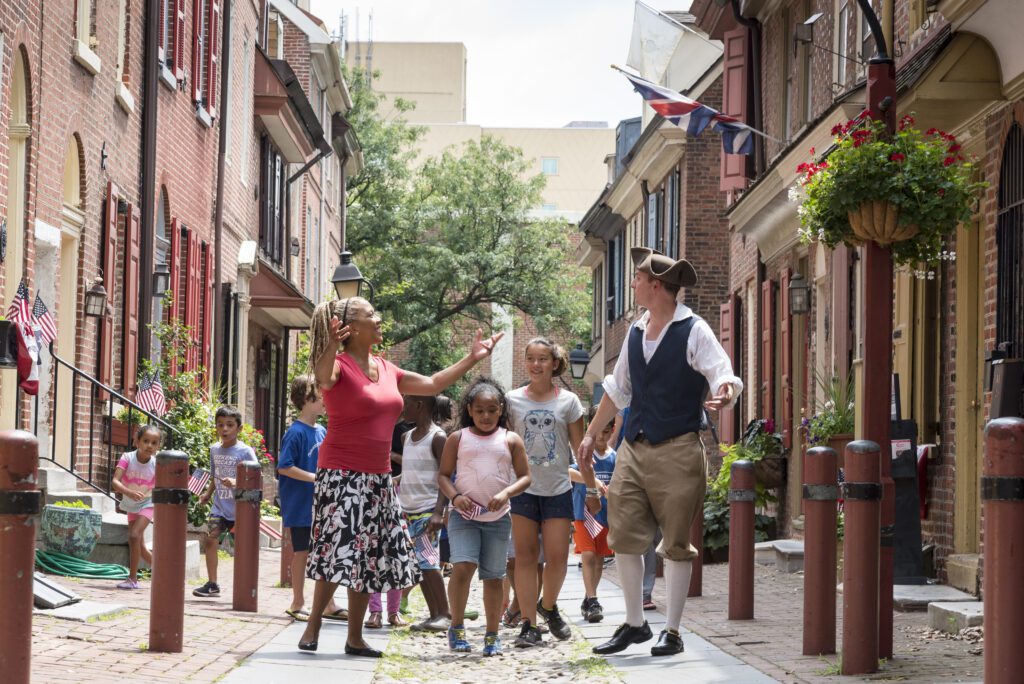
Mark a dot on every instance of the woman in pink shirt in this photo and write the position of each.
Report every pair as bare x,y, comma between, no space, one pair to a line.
357,538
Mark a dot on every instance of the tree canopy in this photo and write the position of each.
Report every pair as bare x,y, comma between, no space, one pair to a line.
444,238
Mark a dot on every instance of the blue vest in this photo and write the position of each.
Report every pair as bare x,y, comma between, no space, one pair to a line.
668,394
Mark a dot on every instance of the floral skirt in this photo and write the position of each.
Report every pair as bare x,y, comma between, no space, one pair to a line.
358,538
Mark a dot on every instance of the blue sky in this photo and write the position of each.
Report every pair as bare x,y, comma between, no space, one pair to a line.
530,62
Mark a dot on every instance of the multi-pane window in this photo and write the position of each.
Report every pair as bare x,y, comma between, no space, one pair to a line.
672,215
843,40
597,320
1010,248
272,186
205,28
549,166
616,284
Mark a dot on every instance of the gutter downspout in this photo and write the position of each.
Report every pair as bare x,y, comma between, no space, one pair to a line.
755,69
218,211
147,177
288,206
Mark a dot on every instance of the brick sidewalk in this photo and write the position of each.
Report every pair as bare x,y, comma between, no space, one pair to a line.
115,650
773,641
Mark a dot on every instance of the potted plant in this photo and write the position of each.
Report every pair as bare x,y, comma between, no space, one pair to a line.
907,190
832,422
119,430
70,527
762,446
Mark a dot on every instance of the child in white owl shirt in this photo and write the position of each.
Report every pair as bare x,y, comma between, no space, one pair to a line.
550,421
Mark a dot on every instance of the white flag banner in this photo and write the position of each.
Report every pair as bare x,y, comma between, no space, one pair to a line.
655,39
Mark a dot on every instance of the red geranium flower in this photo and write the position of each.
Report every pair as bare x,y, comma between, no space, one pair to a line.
897,157
948,161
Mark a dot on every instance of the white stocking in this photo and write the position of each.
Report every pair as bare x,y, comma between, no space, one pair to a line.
630,567
677,581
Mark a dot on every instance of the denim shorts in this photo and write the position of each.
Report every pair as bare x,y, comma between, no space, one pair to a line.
485,544
417,524
541,508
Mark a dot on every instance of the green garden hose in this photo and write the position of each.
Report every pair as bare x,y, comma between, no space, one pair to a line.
69,566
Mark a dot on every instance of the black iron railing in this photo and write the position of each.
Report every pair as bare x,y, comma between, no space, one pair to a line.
100,451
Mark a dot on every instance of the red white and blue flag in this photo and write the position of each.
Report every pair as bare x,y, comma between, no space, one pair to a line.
426,550
594,528
474,512
151,395
198,481
694,117
44,319
18,311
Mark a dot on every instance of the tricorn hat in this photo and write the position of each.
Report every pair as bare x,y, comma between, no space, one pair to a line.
665,269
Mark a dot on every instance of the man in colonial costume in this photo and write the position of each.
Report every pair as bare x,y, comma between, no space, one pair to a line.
669,359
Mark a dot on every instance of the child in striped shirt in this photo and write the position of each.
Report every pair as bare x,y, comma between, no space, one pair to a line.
134,478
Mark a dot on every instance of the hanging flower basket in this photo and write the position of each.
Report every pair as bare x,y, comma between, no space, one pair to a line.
906,190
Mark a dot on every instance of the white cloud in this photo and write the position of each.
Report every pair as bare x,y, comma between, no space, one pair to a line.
530,62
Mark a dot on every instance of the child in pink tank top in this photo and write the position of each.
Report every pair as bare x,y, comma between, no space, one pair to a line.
488,464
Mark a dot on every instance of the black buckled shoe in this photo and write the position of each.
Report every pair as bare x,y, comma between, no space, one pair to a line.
668,644
366,652
625,636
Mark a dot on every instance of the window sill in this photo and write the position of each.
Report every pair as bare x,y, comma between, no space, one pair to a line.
124,98
84,55
204,117
167,78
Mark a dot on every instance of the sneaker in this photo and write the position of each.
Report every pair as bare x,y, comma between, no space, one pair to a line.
435,624
555,622
649,603
128,584
492,644
207,590
457,640
529,636
591,610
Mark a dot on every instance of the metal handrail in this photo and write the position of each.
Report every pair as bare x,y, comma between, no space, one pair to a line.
95,386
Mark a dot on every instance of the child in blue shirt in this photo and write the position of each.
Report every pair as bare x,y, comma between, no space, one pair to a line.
593,549
296,466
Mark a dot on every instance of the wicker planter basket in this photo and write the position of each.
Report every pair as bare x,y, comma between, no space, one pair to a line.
878,221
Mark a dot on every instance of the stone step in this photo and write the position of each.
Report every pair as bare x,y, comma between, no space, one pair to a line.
54,478
951,617
115,530
764,553
95,500
917,597
789,555
118,553
962,572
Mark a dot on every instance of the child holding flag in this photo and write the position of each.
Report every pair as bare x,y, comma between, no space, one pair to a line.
591,530
492,467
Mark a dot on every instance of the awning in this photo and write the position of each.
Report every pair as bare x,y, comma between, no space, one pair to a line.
281,105
271,292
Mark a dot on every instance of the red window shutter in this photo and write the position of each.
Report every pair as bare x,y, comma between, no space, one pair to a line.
106,363
734,103
787,359
727,335
192,286
767,350
174,265
130,349
197,49
212,58
161,38
179,39
207,322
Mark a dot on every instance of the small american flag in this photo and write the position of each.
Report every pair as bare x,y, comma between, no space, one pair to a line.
151,395
197,483
426,549
474,512
269,530
594,528
18,311
42,316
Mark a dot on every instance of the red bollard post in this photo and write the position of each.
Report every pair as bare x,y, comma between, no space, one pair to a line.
248,495
170,513
20,502
741,541
821,490
287,555
697,566
862,496
1002,493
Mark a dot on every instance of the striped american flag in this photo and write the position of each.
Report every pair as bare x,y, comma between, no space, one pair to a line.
18,311
474,512
151,395
42,316
594,528
197,483
426,549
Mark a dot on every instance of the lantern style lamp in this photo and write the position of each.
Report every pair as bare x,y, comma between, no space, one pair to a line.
348,281
161,280
96,299
799,295
578,361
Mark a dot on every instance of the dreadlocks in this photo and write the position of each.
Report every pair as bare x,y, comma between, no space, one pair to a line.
320,327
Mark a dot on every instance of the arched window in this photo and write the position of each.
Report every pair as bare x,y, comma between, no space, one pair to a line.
1010,247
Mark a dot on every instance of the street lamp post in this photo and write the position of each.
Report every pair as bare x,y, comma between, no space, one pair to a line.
348,280
877,351
579,359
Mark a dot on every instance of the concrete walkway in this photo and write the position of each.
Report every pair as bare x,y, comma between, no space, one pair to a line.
280,662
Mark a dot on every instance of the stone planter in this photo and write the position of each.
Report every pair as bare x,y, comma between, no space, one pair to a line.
770,471
878,221
117,433
73,531
8,345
